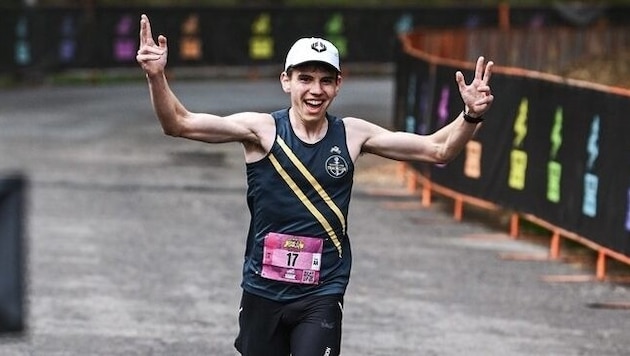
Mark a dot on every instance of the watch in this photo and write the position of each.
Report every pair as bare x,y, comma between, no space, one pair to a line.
472,120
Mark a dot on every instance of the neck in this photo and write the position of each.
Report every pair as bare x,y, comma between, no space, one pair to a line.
309,130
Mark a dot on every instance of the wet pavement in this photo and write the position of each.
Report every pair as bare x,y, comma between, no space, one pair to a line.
136,240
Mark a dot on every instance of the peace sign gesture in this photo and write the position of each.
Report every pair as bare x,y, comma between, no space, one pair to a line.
477,95
151,56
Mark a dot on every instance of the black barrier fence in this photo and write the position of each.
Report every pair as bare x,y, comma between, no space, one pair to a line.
549,147
53,39
12,254
50,39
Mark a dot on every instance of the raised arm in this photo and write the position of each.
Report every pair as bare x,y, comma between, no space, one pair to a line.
175,119
439,147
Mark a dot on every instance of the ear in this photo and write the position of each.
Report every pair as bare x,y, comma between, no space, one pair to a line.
285,81
338,87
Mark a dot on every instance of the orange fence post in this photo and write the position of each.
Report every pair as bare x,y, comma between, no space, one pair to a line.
426,193
514,225
600,272
554,247
459,208
504,15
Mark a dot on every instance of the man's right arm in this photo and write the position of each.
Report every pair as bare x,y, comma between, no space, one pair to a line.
175,119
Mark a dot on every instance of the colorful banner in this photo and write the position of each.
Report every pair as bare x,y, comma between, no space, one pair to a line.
49,39
53,39
546,148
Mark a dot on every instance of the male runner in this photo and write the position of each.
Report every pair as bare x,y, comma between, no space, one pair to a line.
300,164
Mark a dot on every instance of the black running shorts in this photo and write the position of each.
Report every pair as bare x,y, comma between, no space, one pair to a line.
310,326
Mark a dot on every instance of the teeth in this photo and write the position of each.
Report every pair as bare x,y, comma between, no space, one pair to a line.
314,102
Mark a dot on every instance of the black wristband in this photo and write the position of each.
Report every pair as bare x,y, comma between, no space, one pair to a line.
472,120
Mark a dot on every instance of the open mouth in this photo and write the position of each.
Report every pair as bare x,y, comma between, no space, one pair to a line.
314,104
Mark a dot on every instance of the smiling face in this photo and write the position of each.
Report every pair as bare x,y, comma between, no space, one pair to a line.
312,88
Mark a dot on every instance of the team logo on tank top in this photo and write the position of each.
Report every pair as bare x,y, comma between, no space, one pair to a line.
336,165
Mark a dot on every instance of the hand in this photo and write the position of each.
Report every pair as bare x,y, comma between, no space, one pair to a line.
151,57
477,95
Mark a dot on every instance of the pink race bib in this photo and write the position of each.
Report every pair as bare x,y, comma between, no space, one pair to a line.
294,259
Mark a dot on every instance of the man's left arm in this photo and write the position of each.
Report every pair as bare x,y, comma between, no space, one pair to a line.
442,145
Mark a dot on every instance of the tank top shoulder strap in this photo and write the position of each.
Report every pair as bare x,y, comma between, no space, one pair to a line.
283,124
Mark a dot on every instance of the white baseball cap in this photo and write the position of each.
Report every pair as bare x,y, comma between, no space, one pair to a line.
313,49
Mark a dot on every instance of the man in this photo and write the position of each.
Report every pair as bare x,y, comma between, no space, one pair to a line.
300,164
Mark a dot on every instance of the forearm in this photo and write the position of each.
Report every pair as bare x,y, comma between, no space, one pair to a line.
168,109
452,138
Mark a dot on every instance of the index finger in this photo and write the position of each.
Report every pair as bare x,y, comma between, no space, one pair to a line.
145,30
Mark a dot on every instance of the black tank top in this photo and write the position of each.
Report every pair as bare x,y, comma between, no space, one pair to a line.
301,189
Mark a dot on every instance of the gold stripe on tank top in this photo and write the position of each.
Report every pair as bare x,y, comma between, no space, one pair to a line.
307,174
309,205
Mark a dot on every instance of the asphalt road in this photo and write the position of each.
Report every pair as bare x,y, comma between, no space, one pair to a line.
136,241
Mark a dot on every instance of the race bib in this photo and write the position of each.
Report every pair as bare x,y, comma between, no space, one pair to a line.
294,259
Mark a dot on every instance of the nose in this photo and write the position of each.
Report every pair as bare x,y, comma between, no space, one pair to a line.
316,88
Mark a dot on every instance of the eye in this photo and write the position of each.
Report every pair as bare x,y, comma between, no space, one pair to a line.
304,78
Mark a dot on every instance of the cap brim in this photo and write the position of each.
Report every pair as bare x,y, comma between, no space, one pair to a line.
314,61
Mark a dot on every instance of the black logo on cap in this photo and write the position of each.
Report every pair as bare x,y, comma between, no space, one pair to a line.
318,46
